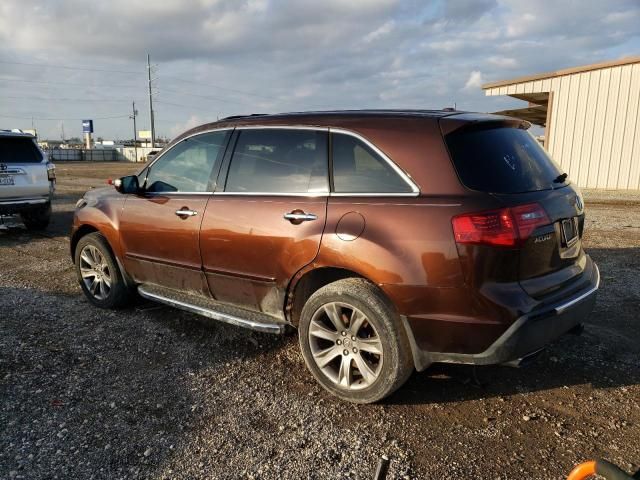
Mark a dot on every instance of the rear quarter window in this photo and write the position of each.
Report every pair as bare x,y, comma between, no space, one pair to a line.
502,160
19,150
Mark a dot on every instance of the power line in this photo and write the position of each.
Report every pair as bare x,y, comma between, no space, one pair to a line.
221,88
69,67
191,107
209,97
63,119
264,97
60,99
67,83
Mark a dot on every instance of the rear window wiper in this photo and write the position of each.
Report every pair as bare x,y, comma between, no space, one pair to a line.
560,178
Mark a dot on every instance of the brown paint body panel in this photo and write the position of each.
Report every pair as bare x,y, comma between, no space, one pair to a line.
250,251
102,213
160,247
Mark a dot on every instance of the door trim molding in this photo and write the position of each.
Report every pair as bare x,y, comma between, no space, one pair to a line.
145,258
242,275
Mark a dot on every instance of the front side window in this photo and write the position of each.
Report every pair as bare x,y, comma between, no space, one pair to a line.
187,167
357,168
279,161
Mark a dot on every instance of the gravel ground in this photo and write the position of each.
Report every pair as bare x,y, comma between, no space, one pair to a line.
152,392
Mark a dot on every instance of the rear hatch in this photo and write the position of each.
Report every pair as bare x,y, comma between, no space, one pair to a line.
23,169
503,160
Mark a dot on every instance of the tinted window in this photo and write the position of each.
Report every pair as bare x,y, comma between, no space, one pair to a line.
188,165
19,150
359,169
501,160
279,161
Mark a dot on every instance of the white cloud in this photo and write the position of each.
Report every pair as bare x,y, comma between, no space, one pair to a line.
221,57
503,62
380,32
475,81
193,121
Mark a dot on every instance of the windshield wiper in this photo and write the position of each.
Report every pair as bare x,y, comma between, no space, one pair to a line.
560,178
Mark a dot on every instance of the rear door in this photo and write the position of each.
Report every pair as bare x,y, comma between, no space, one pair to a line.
23,171
160,227
510,164
267,222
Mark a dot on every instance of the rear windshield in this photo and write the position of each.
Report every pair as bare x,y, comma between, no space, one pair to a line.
502,160
19,150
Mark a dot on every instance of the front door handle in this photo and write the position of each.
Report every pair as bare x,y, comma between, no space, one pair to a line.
185,212
298,216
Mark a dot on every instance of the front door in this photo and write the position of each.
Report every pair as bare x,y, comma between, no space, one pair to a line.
160,227
268,222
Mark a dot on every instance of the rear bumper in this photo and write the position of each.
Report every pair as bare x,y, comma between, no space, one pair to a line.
9,206
527,335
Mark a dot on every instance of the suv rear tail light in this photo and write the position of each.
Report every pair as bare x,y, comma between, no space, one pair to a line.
506,227
51,172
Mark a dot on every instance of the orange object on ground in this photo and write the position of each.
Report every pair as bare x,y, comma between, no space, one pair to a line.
583,471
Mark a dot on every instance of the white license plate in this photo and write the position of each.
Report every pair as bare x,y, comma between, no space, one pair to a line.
6,181
570,231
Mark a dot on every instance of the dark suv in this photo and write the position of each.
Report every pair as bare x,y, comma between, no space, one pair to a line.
390,239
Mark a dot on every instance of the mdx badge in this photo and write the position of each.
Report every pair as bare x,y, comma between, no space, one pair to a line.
542,238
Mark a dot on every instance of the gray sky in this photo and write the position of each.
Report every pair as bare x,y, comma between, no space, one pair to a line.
214,58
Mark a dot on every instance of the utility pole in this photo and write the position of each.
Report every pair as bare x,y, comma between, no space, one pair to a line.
135,134
153,130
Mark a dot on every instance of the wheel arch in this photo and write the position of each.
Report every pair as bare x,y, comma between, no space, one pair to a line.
86,229
82,231
309,280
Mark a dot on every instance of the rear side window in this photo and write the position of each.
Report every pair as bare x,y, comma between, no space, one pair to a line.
502,160
279,161
19,150
357,168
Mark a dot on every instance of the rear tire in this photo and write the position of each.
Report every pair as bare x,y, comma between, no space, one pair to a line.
37,218
98,273
353,341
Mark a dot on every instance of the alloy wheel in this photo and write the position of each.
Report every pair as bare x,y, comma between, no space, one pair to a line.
345,346
95,272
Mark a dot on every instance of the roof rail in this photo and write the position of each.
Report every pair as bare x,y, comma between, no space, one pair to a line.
243,116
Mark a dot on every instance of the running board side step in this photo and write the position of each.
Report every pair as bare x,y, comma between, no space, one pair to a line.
211,309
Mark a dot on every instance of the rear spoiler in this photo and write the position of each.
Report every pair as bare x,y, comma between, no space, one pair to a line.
479,121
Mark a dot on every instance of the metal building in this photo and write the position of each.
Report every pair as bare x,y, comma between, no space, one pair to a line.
591,118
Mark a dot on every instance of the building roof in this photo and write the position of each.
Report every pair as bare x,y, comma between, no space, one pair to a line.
536,114
565,71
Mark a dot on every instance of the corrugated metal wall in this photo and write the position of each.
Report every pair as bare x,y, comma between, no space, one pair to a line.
594,130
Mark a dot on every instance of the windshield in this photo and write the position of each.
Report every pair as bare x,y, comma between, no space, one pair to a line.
502,160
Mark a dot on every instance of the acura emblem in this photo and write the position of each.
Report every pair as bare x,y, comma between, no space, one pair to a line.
579,204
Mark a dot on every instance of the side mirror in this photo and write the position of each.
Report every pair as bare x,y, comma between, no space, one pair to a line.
128,184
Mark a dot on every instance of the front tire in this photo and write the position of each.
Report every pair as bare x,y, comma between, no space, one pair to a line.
98,273
353,342
37,218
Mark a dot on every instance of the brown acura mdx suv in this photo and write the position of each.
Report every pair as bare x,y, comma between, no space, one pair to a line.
390,239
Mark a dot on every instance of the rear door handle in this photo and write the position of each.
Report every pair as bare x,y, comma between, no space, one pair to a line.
185,212
297,217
